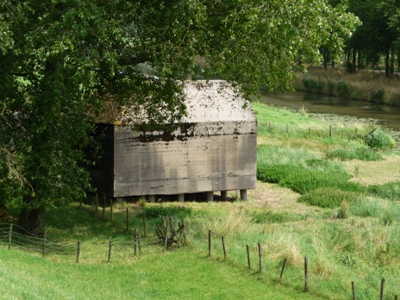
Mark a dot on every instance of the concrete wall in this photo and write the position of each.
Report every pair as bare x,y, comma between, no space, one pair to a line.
210,157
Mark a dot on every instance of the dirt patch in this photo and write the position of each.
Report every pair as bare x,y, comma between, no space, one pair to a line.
277,198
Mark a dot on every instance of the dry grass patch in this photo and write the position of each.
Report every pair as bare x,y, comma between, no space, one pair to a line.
377,172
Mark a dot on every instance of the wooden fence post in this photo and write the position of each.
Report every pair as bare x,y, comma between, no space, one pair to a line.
139,244
78,252
248,256
353,289
127,219
330,130
10,237
305,274
283,269
109,251
44,245
135,242
165,229
144,224
260,256
382,288
223,247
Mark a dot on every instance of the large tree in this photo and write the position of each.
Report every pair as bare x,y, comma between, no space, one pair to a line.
64,61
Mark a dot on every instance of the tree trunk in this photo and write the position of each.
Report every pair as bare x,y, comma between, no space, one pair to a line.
33,220
387,63
326,54
354,61
392,61
359,60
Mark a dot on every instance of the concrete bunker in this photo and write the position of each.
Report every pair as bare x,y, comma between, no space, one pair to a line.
212,150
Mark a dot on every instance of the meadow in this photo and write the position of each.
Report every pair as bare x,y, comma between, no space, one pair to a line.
328,190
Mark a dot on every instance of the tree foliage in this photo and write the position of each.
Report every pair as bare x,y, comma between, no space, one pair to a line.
379,34
62,62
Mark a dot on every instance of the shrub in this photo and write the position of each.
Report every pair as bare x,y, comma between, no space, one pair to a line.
377,95
167,211
306,180
361,153
378,139
395,99
331,88
390,190
343,89
331,197
276,173
312,85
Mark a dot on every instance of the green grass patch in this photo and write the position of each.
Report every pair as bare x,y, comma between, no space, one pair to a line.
275,217
167,211
330,197
390,190
301,170
304,181
362,153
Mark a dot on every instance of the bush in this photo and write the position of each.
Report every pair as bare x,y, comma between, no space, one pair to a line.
312,85
390,190
331,88
377,95
275,173
395,99
305,181
167,211
361,153
343,89
331,197
378,139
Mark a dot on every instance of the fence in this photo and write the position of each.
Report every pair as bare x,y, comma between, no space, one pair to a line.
126,246
12,236
320,131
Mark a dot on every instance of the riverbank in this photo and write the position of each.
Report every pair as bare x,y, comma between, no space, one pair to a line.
371,86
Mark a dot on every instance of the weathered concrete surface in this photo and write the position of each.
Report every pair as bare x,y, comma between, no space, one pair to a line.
214,150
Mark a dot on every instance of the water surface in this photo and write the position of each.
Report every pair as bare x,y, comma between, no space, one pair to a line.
386,115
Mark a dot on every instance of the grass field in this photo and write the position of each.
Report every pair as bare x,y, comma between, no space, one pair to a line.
311,201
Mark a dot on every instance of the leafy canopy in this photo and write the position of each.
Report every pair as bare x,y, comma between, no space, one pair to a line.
63,62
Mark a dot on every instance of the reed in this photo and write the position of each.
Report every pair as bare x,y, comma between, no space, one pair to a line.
366,85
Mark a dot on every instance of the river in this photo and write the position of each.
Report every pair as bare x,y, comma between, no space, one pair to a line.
386,115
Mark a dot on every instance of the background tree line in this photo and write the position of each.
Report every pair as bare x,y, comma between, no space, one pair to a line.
376,41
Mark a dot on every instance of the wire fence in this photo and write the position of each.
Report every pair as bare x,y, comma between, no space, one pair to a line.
344,130
121,249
